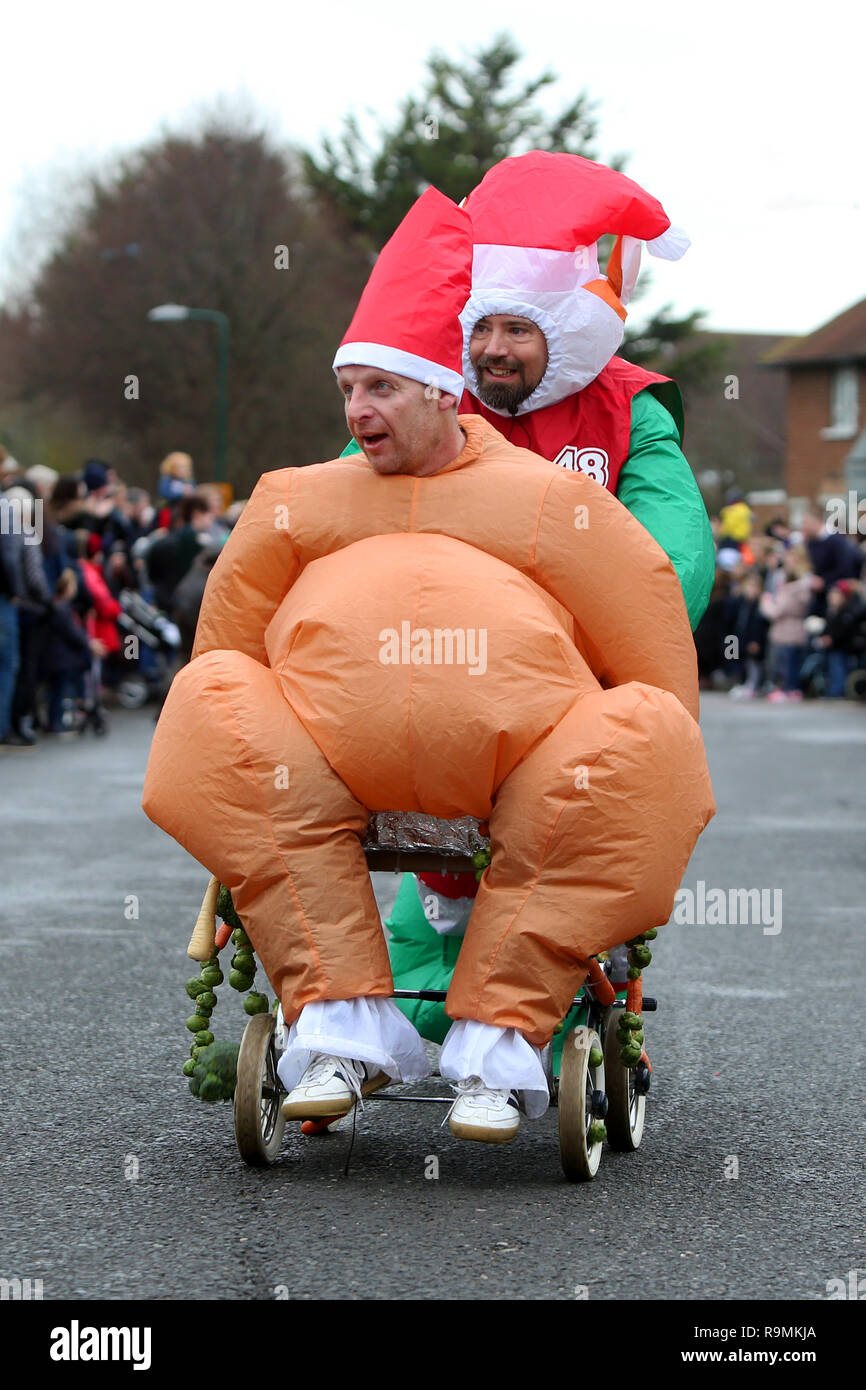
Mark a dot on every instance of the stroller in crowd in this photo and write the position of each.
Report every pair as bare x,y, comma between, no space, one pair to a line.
148,659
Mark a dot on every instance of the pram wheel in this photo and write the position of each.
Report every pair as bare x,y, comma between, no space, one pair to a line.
132,693
581,1089
259,1121
626,1102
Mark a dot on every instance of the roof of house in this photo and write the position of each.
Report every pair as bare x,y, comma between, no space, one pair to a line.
843,339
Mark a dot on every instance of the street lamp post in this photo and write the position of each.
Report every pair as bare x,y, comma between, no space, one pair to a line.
173,313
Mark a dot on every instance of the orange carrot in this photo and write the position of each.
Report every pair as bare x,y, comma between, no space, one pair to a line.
634,995
601,985
318,1126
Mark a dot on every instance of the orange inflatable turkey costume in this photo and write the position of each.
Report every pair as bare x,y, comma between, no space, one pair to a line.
500,638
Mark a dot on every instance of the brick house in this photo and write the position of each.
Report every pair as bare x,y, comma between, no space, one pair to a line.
826,410
735,417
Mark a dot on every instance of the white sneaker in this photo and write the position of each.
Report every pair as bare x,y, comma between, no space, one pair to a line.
330,1086
482,1113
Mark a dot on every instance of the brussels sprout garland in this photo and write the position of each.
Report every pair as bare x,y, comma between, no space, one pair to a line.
481,859
211,1074
629,1028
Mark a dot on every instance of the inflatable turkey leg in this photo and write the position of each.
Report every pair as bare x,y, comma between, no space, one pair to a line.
234,778
619,794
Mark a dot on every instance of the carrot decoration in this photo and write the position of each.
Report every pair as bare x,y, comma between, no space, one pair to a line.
601,985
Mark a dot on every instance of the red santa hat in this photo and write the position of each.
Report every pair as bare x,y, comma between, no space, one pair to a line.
407,319
537,219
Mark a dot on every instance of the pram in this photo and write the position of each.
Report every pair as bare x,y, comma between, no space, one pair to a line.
598,1097
145,668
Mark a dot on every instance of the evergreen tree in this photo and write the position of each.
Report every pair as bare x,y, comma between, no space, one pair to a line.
467,119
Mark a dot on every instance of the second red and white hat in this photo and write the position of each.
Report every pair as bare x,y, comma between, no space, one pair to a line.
407,319
537,220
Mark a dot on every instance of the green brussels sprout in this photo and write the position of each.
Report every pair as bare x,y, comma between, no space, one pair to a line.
195,987
189,1066
240,939
596,1056
211,1088
197,1022
597,1132
256,1004
208,1000
239,981
212,976
651,933
204,1038
225,908
244,961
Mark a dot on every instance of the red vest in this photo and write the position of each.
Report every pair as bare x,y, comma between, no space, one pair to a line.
589,431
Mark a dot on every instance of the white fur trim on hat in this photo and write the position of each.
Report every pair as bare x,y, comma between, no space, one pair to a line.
391,359
670,245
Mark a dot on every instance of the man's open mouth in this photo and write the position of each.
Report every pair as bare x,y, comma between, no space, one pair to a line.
501,372
370,441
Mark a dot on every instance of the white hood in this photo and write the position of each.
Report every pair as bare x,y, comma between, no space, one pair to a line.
583,332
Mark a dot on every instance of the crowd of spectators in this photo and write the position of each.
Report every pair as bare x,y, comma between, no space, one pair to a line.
79,554
84,559
787,615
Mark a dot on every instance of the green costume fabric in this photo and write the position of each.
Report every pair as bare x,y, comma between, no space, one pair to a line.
657,486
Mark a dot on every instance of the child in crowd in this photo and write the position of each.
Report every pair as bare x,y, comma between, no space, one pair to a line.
786,611
749,626
844,636
67,653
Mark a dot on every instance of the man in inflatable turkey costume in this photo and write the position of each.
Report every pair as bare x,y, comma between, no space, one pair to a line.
319,653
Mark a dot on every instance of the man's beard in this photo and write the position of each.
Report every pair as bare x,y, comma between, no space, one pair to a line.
503,395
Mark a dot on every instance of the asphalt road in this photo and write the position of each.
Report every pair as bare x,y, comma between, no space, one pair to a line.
118,1184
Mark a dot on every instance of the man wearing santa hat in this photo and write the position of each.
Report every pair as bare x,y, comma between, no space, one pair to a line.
299,715
541,329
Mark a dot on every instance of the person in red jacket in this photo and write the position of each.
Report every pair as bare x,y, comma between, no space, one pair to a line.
101,621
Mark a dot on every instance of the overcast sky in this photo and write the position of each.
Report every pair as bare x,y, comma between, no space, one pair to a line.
746,120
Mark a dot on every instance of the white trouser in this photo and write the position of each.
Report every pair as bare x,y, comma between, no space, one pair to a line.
375,1031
